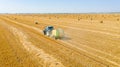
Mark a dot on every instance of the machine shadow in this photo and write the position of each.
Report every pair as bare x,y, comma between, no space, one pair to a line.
65,38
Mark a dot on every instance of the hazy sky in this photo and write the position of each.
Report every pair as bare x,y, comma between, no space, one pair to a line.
59,6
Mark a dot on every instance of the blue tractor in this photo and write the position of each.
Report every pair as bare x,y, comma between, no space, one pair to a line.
48,30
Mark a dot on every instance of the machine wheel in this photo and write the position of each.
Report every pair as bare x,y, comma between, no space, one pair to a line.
44,32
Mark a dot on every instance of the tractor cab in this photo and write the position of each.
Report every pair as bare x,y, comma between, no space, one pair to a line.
47,30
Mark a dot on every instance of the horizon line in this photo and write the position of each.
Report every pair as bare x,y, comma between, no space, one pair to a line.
67,13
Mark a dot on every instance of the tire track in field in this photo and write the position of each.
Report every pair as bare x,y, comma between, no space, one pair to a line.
90,48
38,30
46,59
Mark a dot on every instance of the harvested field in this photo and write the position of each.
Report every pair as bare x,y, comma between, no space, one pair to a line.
91,40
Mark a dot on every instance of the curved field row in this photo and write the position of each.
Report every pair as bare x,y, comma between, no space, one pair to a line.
87,47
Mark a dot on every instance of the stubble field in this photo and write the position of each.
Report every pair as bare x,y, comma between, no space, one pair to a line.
91,40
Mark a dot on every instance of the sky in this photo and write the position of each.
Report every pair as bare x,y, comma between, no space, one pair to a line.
59,6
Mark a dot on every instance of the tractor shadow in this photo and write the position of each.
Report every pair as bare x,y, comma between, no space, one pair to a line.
65,38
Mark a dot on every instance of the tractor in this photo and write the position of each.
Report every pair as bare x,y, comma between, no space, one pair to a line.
54,33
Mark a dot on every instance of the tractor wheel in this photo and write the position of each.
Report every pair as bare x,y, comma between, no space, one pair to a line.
44,32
